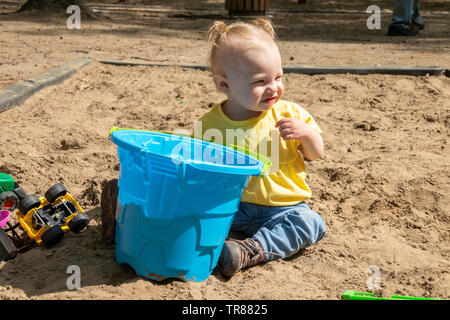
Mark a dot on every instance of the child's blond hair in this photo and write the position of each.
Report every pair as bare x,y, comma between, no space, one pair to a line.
238,37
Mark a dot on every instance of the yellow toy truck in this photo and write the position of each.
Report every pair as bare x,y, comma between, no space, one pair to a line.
47,219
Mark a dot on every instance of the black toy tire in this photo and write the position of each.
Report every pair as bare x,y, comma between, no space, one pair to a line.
52,236
55,192
78,223
8,195
29,202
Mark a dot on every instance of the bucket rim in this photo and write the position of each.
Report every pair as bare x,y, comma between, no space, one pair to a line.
262,167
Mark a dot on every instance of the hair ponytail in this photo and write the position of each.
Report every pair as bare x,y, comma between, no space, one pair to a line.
216,31
264,24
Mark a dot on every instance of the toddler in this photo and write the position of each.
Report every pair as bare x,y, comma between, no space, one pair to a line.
246,66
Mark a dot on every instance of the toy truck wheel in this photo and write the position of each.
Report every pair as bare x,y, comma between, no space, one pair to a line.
58,190
8,201
29,202
77,223
52,236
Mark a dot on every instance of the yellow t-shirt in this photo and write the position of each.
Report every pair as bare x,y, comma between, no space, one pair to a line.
285,184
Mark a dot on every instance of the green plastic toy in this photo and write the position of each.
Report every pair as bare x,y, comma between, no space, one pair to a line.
353,295
6,182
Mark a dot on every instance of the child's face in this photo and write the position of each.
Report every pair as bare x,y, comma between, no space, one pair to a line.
254,78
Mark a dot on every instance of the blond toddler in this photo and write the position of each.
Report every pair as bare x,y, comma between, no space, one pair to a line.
246,66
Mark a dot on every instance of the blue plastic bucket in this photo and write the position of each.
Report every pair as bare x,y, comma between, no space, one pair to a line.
177,199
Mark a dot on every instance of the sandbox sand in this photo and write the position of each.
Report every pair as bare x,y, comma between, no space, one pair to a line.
382,186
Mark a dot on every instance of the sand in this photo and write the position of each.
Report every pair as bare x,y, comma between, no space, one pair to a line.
382,186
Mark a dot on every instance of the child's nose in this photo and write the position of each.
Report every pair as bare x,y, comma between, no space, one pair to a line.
273,86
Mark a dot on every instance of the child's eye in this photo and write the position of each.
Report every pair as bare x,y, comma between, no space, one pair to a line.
258,82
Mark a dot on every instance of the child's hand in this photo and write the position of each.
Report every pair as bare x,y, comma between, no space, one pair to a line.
293,129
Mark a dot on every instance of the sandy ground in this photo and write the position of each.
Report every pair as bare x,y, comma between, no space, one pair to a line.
382,186
31,43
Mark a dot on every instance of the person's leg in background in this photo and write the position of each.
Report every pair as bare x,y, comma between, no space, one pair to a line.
406,19
416,17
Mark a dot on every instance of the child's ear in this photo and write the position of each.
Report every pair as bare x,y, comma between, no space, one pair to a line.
221,83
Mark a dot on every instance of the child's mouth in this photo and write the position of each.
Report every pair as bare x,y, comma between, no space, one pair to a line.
270,100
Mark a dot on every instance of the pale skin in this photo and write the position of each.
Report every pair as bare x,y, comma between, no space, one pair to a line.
252,81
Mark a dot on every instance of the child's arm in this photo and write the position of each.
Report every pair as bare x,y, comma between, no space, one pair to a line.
294,129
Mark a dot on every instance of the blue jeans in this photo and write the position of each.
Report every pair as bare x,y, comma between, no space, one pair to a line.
282,230
405,12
